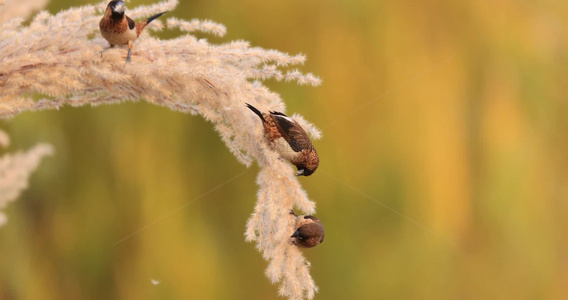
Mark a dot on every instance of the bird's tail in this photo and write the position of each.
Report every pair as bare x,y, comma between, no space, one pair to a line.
154,17
140,25
256,111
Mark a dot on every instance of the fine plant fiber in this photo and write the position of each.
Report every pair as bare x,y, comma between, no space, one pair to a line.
63,65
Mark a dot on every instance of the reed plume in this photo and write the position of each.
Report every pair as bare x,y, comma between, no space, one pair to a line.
15,170
22,9
58,58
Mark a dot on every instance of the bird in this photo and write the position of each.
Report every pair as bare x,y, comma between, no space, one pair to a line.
290,140
309,231
118,29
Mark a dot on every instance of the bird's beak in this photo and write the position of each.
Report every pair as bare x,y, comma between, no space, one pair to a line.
296,234
119,7
300,172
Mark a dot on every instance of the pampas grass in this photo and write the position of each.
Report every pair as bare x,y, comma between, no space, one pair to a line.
15,170
56,61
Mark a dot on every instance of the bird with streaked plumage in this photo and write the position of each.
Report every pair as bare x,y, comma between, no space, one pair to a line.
309,231
290,140
118,29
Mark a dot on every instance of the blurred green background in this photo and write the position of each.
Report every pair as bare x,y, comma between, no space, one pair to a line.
444,164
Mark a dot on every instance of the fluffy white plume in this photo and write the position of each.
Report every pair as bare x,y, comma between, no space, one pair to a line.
64,64
15,170
10,9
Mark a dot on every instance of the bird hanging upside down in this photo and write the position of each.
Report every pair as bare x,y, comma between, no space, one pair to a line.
289,139
118,29
309,231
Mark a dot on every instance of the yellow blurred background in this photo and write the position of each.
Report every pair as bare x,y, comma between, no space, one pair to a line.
444,164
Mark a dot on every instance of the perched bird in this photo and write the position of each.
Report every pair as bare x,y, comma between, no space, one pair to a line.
309,231
289,139
118,29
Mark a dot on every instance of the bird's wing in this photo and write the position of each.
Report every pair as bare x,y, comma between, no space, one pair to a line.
131,23
291,131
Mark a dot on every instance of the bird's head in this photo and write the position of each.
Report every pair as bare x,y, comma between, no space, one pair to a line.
309,232
310,166
117,8
303,171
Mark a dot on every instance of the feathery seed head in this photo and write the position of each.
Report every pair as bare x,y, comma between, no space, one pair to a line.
188,75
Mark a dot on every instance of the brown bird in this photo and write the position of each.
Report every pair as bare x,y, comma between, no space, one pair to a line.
118,29
309,231
289,139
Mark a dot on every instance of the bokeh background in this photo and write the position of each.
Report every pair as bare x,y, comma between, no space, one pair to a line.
444,164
